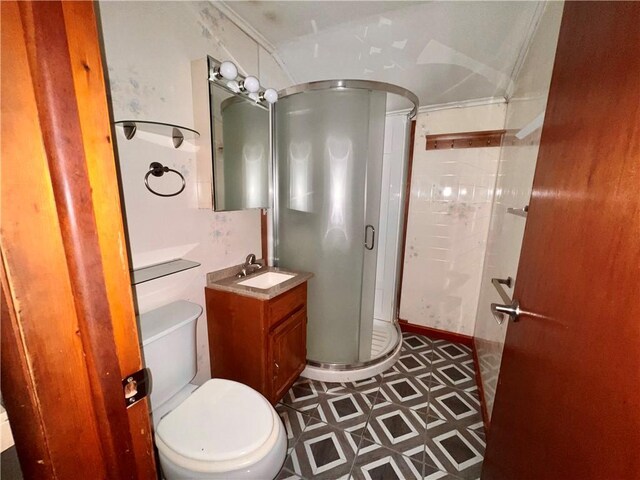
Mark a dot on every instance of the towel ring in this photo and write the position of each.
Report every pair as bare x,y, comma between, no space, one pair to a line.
157,170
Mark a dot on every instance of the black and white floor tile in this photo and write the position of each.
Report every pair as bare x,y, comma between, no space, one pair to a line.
412,363
324,452
304,395
405,390
395,427
287,475
294,422
455,450
455,352
346,409
421,419
451,405
456,375
377,462
369,386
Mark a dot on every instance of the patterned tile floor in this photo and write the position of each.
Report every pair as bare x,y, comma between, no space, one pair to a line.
420,419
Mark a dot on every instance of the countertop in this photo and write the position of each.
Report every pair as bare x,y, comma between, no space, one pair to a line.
226,281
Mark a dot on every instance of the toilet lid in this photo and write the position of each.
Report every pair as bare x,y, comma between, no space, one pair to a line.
221,420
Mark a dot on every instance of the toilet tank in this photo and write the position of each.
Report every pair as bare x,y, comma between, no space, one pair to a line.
168,337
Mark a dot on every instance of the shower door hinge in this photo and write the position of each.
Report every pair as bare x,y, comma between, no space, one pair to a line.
135,387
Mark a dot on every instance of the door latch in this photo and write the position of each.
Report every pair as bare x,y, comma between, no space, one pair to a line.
135,387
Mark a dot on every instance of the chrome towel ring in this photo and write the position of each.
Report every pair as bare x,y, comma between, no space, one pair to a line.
157,170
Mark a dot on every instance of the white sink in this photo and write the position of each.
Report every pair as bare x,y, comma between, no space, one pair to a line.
266,280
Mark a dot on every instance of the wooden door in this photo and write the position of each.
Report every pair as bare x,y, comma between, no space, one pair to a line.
568,396
68,328
288,352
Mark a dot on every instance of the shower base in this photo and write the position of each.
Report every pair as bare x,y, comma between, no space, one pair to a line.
385,338
385,351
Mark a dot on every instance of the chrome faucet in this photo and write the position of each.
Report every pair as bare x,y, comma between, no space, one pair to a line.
250,266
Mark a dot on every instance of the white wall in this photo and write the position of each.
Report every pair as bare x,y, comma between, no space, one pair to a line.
513,189
449,211
149,47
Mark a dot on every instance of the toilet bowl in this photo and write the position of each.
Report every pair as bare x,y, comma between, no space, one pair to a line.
223,430
220,430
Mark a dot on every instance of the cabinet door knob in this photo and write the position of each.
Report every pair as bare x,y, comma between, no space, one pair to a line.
277,366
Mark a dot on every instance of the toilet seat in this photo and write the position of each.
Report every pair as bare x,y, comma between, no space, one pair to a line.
222,425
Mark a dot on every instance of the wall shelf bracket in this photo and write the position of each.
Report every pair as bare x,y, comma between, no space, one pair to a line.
177,132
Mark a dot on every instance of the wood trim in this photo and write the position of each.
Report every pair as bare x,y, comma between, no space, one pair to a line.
32,254
26,423
59,118
483,403
65,273
93,113
264,232
447,141
405,221
405,326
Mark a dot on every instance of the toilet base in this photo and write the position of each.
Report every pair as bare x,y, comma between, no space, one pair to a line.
265,468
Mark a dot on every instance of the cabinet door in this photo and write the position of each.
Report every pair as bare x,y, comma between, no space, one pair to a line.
288,344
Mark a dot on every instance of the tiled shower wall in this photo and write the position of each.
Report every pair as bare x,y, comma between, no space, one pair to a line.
449,212
513,189
148,48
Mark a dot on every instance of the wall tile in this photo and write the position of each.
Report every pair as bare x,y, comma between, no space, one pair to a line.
449,213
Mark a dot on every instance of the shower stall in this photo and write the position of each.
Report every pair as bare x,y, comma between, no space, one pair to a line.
329,177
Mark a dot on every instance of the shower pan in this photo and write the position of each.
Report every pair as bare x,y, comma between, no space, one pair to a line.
328,184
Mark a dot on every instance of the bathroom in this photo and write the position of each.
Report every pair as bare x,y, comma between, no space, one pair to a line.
451,250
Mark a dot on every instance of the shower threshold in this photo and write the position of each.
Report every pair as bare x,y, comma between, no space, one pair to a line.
385,351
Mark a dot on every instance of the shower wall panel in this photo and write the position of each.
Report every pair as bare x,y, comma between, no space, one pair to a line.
396,143
449,210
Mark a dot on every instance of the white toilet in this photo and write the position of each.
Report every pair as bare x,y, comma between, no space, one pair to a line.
220,430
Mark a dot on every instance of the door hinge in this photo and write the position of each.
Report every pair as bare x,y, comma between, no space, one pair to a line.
135,387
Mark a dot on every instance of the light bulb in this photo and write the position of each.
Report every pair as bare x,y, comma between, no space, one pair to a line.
270,95
233,86
228,70
251,84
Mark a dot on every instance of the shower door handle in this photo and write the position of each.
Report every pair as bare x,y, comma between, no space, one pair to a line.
373,237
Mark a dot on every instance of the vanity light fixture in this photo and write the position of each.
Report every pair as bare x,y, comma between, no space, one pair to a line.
250,84
226,75
270,95
234,86
226,70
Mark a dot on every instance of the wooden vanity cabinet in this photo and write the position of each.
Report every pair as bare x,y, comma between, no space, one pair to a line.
261,343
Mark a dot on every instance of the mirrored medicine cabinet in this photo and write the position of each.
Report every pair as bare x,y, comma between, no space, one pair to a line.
240,148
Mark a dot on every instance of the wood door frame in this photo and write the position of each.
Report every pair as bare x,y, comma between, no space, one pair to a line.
68,333
405,215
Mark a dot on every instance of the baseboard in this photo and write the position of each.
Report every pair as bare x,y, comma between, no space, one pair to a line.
405,326
483,400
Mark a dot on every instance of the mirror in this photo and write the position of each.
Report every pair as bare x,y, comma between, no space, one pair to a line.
241,154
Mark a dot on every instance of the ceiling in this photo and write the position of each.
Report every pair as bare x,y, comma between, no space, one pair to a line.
442,51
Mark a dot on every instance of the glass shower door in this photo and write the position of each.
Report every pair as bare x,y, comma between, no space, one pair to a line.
329,155
373,194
